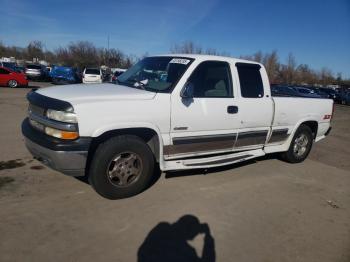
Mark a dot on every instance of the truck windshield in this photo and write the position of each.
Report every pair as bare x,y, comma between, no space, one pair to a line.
156,74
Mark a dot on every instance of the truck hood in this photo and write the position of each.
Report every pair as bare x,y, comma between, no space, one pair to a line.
84,93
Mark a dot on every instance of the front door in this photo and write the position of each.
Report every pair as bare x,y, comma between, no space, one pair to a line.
207,122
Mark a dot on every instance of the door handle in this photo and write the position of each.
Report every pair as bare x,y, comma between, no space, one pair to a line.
232,109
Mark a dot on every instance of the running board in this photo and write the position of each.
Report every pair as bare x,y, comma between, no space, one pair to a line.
216,162
207,162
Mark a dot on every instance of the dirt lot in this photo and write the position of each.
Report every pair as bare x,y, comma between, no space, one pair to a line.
264,210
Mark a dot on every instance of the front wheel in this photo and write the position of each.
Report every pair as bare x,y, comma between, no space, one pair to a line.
121,167
300,146
12,83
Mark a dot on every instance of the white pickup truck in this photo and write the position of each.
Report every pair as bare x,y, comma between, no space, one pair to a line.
177,111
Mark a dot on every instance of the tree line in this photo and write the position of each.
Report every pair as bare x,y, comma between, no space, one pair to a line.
289,72
83,53
79,54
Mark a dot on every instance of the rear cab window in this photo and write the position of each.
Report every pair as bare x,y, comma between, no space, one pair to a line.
33,66
250,80
92,71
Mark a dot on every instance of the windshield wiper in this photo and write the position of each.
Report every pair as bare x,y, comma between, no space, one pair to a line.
137,84
143,84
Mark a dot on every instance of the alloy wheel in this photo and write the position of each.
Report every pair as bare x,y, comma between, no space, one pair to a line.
124,169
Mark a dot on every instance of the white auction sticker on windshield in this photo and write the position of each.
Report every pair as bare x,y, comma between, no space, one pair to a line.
180,61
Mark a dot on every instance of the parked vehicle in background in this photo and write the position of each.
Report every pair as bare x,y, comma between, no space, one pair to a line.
306,92
295,91
64,75
13,66
12,78
9,65
20,69
176,111
320,92
106,75
116,75
332,94
92,75
36,72
345,97
277,90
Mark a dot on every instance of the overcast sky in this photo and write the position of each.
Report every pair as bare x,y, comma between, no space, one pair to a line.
316,32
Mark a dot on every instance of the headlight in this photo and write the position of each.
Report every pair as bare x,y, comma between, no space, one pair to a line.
61,134
61,116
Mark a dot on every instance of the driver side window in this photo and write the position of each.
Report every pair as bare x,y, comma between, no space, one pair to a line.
212,79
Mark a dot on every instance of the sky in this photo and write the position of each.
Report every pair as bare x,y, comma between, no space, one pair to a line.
317,32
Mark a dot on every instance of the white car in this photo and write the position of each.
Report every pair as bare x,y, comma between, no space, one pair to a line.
177,111
92,75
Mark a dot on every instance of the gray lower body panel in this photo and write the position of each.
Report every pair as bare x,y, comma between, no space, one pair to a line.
251,138
279,135
200,144
71,163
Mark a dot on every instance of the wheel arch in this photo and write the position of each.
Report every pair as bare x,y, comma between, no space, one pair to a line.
149,135
312,124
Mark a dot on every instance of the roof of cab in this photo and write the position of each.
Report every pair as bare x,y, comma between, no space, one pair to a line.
203,57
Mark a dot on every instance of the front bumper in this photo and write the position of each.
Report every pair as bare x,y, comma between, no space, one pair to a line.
67,157
92,81
71,163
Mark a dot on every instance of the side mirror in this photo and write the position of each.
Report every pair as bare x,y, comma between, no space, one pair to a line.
187,91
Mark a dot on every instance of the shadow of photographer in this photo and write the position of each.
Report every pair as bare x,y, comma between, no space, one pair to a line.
168,242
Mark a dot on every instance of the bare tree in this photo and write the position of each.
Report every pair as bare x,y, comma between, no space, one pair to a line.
35,50
187,47
287,73
83,53
326,76
270,60
304,75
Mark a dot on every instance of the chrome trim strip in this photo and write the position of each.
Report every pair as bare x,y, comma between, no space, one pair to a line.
278,135
54,124
202,139
251,138
200,144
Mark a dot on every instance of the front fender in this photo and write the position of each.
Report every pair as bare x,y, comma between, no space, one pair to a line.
151,126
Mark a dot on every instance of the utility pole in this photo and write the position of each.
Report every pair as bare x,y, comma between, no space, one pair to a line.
108,50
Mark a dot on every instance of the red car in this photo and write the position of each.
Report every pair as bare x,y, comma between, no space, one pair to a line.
11,78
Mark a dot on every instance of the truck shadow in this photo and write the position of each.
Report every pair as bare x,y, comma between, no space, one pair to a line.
195,172
169,242
156,175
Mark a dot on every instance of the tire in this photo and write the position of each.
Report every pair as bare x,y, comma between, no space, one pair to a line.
299,148
121,167
12,83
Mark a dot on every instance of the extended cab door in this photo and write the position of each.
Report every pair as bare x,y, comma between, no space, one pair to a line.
255,105
208,121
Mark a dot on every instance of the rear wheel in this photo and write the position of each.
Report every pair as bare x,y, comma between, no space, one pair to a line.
12,83
121,167
300,146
